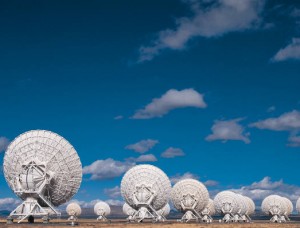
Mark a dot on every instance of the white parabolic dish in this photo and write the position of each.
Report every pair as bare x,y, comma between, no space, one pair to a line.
150,176
188,192
52,154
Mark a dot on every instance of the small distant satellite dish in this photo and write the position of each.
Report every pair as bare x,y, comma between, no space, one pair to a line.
74,211
102,209
129,211
146,189
44,170
298,205
190,197
208,212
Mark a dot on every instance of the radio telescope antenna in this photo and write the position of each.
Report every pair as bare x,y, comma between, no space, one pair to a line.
298,205
145,188
164,212
190,197
226,204
44,170
102,209
275,206
208,211
127,210
74,211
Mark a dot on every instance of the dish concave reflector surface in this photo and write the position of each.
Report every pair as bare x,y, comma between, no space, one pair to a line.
51,152
73,209
102,208
226,200
274,201
189,192
143,182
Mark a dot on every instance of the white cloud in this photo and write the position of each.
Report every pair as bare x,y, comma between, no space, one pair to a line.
4,142
114,192
118,117
259,190
289,121
114,202
228,130
212,18
107,169
187,175
146,158
271,109
291,51
294,141
172,152
211,183
172,99
142,146
9,203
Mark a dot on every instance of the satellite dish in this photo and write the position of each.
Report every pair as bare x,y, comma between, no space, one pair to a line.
235,207
208,211
145,188
275,206
74,211
127,210
251,206
226,203
164,212
102,209
298,205
190,197
289,204
44,170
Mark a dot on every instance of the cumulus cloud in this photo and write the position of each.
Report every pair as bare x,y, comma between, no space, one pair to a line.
291,51
172,99
146,158
107,169
114,192
212,18
211,183
289,121
4,142
9,203
118,117
178,177
271,109
294,141
228,130
172,152
187,175
259,190
142,146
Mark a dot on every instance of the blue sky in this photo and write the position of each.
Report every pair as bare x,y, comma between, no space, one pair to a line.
200,88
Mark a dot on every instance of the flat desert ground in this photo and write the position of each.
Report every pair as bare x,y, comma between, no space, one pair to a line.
88,223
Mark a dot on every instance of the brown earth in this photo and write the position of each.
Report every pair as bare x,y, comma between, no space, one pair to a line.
89,223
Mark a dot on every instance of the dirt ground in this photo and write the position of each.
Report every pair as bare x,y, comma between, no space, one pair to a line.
89,223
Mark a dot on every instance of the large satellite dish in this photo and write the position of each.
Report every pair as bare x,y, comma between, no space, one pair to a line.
44,170
190,197
146,189
278,207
